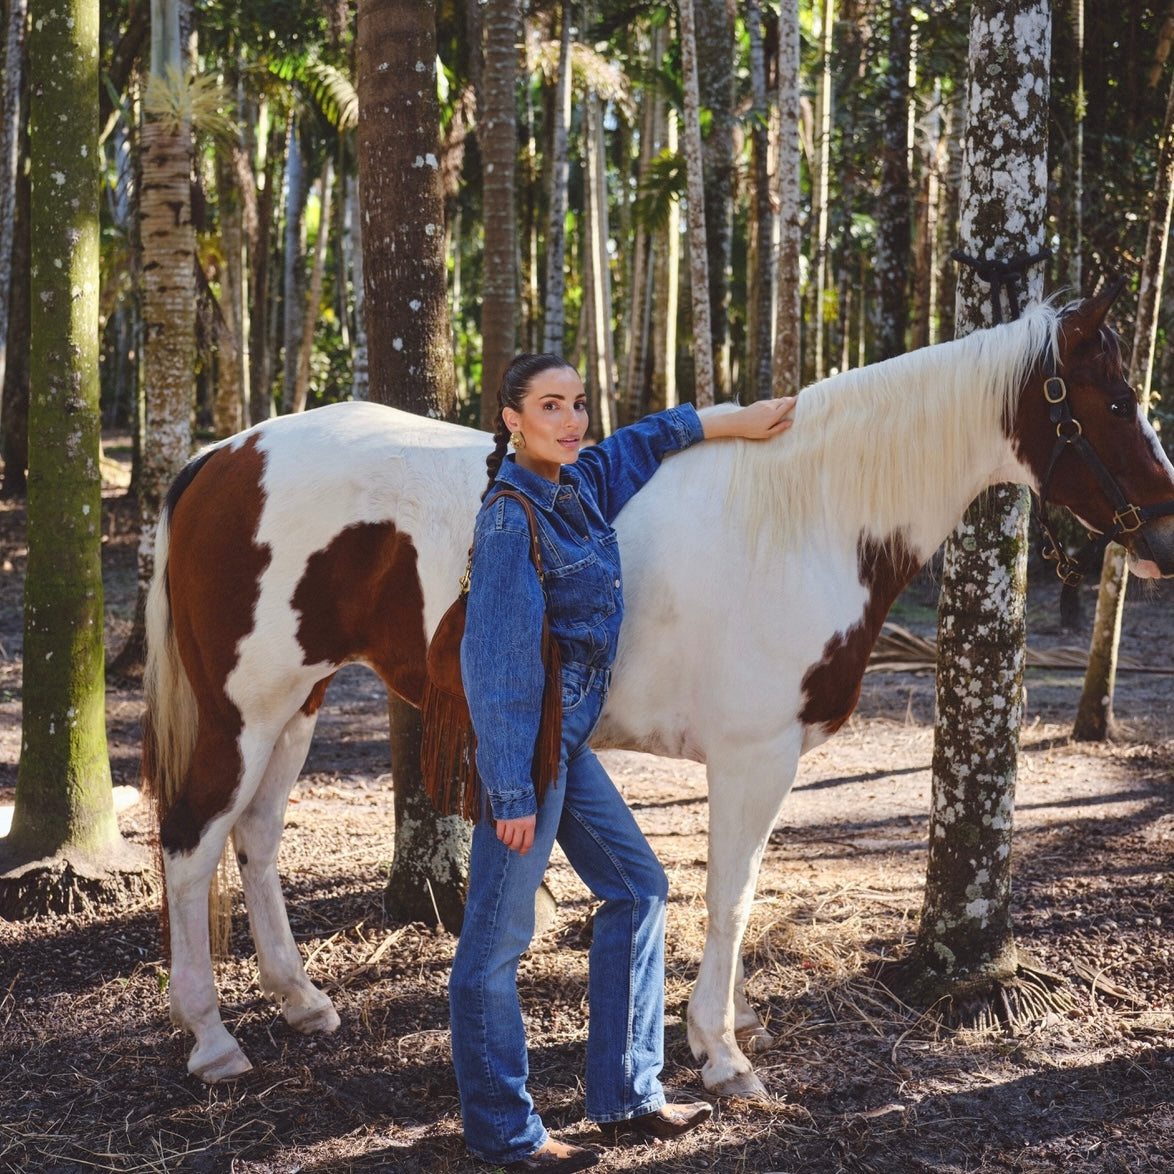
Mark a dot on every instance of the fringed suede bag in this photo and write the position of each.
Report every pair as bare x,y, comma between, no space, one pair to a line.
448,744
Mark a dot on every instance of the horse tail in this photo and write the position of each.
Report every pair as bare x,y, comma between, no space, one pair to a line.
171,717
170,720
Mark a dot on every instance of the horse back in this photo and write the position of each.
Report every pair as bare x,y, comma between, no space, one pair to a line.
317,540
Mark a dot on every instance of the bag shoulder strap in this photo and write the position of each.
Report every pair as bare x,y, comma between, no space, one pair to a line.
535,549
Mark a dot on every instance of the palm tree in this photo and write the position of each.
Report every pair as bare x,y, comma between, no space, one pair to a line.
169,296
411,366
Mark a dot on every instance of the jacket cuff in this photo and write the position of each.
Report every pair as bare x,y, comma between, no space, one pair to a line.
514,804
686,425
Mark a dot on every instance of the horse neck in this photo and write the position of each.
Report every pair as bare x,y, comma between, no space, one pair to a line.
894,452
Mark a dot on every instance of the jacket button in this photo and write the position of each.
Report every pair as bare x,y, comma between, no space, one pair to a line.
617,584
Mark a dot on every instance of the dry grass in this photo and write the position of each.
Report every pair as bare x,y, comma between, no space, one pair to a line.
92,1079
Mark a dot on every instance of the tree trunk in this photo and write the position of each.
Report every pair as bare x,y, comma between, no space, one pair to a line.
1075,194
297,188
703,374
64,847
762,222
637,332
787,372
893,212
360,383
312,306
411,366
1094,717
950,196
230,405
14,45
16,372
261,340
666,282
597,274
820,188
169,319
965,947
925,271
554,320
714,31
498,135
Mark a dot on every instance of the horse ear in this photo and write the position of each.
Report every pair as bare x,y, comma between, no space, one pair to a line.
1088,316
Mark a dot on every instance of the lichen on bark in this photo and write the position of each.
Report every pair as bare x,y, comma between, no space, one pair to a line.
965,952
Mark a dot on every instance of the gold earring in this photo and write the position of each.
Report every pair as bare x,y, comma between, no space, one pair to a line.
518,440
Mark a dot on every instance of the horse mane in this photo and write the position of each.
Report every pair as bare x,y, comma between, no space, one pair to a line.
876,446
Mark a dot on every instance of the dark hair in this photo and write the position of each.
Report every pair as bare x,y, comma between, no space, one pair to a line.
515,383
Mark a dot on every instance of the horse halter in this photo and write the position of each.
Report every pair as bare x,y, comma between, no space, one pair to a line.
1127,517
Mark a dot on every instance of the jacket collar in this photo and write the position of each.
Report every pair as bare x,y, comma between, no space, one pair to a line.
540,491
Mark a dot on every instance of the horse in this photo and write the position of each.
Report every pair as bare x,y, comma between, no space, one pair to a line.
757,577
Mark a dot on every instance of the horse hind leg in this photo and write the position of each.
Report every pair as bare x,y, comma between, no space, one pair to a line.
192,984
256,837
745,794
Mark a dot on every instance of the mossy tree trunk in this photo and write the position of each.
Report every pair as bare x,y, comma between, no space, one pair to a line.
64,847
411,367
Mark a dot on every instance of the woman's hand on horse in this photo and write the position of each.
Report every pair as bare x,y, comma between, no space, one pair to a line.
517,834
757,421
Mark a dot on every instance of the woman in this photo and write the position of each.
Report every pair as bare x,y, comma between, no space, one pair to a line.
575,494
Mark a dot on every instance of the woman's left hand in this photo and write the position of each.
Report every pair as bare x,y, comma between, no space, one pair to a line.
757,421
517,834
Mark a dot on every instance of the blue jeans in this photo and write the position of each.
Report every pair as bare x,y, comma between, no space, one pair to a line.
625,1041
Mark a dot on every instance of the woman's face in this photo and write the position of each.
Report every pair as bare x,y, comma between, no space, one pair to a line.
553,420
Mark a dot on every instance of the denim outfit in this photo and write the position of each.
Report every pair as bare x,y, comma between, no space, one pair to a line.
502,670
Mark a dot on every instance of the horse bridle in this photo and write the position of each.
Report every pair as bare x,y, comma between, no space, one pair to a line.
1127,517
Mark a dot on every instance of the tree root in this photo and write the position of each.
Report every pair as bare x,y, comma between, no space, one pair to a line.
1016,1003
1008,1002
56,885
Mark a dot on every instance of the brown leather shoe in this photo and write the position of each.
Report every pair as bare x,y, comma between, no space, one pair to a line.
557,1157
660,1125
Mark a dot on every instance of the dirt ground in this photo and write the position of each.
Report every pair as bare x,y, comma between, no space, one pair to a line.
92,1075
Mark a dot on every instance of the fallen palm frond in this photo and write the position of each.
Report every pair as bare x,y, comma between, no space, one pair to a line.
899,650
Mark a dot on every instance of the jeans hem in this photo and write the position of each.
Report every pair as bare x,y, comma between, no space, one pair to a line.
649,1106
513,1157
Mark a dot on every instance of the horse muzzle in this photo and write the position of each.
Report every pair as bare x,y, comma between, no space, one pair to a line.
1151,549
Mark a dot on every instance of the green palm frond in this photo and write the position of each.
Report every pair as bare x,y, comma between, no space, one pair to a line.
592,73
664,185
326,86
197,101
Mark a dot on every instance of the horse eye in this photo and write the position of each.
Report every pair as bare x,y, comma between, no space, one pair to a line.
1124,407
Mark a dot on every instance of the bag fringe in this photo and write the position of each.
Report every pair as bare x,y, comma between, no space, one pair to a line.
448,754
448,748
548,746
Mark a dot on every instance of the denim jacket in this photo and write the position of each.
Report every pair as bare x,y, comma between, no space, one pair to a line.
501,663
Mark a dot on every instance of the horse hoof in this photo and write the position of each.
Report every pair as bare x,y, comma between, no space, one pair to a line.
309,1020
225,1066
745,1085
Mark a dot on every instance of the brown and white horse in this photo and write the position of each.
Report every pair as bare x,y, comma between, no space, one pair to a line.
757,580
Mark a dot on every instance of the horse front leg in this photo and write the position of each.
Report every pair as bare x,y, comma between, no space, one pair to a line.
746,791
256,838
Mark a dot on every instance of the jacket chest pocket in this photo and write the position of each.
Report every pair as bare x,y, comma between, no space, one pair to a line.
585,593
